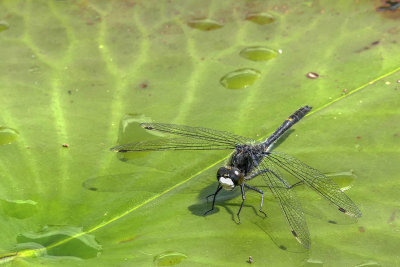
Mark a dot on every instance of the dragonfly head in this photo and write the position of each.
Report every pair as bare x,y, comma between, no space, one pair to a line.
229,177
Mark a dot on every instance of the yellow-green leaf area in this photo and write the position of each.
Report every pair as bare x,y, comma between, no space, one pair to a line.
85,74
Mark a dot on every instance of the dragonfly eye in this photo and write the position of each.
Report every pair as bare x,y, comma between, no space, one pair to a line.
222,172
229,177
235,175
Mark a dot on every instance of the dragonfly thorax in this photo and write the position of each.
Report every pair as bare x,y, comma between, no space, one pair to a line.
229,177
246,157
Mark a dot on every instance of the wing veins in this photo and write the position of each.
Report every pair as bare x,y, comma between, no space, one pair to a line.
171,144
196,133
319,182
290,206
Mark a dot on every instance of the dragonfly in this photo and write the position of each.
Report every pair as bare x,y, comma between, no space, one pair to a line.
251,159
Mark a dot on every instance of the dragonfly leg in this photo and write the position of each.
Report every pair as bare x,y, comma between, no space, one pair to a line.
288,186
255,161
296,184
262,197
243,199
215,195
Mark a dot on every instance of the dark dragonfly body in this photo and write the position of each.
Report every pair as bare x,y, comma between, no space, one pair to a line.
247,156
251,159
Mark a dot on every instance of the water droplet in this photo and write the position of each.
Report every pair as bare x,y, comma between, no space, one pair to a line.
241,78
7,135
130,131
260,18
205,24
19,209
258,53
169,258
61,241
343,179
4,26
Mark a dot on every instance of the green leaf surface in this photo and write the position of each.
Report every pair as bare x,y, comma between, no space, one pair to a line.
77,78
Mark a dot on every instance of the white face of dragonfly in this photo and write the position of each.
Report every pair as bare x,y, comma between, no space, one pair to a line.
226,183
229,177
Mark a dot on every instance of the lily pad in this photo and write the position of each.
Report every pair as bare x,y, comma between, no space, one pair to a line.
84,73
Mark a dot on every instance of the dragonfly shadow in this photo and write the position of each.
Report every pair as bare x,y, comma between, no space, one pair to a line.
317,207
205,203
222,200
273,224
322,210
231,208
279,235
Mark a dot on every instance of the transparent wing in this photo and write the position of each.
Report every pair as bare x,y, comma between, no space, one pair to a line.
172,144
198,133
288,201
316,180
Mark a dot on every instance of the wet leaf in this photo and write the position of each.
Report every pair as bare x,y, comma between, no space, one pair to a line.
84,73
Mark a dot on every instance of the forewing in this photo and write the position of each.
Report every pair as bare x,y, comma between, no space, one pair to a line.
172,144
198,133
289,204
316,180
